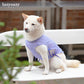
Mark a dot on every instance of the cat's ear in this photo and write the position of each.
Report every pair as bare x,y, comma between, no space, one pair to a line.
25,16
40,20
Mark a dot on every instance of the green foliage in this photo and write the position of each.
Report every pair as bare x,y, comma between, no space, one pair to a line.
25,63
8,58
35,63
33,82
2,24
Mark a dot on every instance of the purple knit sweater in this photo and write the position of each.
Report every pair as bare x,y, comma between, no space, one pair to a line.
53,48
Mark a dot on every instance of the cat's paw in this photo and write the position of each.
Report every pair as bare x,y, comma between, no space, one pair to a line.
45,73
27,69
58,70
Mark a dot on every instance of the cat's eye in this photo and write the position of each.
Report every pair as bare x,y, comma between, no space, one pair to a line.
33,24
26,22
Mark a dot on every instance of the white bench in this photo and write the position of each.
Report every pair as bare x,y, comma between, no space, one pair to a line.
71,76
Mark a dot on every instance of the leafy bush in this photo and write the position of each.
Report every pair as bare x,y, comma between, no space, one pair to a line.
8,58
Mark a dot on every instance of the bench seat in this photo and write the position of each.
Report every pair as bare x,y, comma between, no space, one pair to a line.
36,75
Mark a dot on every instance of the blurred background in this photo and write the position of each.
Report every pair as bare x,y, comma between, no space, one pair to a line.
54,18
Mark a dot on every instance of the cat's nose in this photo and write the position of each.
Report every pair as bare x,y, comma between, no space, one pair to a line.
26,30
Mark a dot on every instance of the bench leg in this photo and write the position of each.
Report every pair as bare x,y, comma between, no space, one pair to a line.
70,51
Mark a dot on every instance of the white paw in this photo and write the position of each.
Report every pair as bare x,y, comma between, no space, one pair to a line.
27,69
58,70
45,73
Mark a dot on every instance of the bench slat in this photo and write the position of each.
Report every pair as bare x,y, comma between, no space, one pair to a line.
69,36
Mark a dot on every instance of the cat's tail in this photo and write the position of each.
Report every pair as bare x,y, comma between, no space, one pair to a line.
73,63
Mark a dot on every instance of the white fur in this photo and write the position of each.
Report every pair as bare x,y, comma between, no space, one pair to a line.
42,49
34,33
